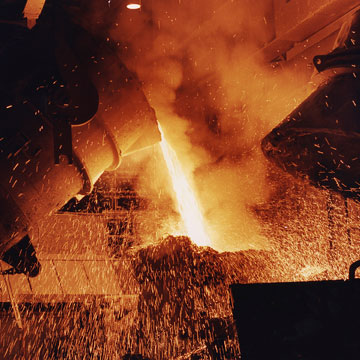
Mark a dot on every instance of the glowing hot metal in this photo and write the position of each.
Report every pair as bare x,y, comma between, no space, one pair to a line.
187,205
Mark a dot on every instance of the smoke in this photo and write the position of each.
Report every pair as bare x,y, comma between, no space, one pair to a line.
201,71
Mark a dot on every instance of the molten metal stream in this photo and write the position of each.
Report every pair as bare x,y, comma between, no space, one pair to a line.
187,205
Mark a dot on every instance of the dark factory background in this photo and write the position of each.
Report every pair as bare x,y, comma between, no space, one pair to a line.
92,267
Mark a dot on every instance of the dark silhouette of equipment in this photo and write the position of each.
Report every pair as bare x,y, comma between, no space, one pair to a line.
320,139
22,258
300,320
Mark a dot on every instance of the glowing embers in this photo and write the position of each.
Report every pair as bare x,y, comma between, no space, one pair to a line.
133,4
187,205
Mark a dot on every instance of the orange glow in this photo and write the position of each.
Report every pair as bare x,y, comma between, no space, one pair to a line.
133,6
32,11
187,205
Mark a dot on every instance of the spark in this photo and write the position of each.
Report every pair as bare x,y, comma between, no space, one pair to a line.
186,201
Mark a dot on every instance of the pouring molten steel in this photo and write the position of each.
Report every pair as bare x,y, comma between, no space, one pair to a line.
186,201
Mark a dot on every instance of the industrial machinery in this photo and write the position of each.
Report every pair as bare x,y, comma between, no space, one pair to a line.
299,320
69,110
320,139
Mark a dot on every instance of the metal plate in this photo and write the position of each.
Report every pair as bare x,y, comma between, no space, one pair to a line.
303,320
